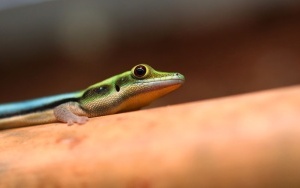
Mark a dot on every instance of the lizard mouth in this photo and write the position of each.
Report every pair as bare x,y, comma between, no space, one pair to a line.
153,87
161,85
174,79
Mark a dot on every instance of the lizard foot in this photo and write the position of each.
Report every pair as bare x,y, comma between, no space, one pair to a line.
79,120
65,113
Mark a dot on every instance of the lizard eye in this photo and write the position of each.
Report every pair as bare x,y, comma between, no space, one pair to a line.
140,71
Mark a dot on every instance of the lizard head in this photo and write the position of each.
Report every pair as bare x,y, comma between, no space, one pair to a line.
130,90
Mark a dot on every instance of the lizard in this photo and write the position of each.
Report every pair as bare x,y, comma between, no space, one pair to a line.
124,92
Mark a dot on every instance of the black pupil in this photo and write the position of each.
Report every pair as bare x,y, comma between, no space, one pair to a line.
140,71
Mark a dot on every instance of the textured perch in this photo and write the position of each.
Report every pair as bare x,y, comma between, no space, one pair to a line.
249,140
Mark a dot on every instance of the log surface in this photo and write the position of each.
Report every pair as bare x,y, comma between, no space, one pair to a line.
249,140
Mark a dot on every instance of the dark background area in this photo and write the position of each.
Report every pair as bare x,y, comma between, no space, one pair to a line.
222,47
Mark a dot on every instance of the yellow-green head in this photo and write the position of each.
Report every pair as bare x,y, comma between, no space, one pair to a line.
128,91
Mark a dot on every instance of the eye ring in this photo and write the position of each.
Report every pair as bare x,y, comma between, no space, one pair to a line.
140,71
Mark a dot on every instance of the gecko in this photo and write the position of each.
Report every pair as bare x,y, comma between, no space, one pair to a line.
124,92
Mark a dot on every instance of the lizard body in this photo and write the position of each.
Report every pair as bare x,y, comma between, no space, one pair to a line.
128,91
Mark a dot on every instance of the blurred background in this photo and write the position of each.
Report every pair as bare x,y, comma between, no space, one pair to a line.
223,47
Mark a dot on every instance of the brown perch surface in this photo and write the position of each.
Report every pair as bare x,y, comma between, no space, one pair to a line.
248,140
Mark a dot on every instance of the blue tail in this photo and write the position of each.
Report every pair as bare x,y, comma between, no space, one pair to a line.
10,109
